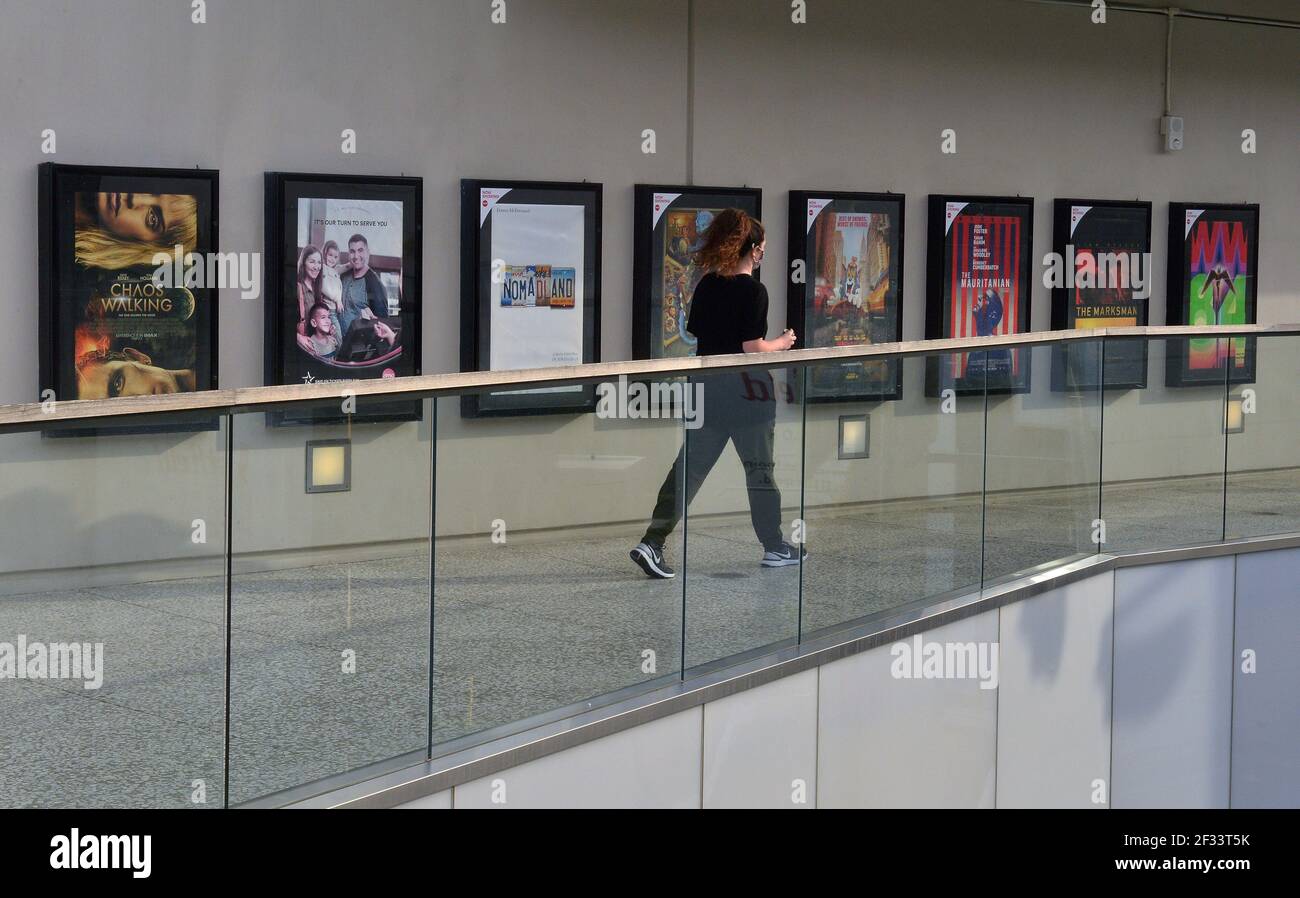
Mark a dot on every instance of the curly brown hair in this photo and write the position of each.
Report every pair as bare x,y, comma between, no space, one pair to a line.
730,237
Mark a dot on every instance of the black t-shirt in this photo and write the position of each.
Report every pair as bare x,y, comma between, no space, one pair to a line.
726,312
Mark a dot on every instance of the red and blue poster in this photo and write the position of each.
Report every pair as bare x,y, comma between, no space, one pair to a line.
979,287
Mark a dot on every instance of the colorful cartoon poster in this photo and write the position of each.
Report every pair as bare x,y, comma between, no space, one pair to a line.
678,277
670,223
848,291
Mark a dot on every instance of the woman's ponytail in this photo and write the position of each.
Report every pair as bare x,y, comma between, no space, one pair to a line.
731,236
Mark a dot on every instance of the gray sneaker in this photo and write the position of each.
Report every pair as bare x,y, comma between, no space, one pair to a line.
784,556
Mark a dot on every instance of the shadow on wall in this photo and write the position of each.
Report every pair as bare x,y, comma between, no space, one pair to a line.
1044,633
1154,636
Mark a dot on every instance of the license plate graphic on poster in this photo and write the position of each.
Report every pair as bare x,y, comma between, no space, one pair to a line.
530,290
539,285
536,321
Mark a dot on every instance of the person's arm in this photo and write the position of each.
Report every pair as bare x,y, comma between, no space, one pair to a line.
754,327
302,311
783,342
378,297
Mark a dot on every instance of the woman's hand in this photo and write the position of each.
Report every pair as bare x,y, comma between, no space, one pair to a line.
785,341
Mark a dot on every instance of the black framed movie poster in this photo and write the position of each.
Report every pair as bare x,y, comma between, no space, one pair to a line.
530,289
668,223
849,289
977,284
343,285
1212,278
127,299
1101,277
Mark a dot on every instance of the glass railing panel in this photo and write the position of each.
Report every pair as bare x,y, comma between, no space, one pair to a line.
893,485
330,591
538,602
1043,438
1163,441
743,463
1263,425
112,613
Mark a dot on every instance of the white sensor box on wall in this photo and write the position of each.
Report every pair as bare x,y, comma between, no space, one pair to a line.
1171,127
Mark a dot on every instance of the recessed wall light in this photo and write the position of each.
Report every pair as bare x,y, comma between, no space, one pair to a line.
329,466
855,436
1234,419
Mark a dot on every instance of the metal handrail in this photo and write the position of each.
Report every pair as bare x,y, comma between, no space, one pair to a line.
27,415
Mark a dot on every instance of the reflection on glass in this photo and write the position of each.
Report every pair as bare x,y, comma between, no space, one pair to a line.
1263,481
1162,458
329,596
112,614
742,480
1041,468
900,522
538,605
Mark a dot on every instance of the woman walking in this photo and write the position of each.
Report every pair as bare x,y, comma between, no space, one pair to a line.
728,315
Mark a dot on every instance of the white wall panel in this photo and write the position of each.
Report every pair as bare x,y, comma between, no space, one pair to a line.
1173,685
760,746
656,765
886,742
1266,703
1054,697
